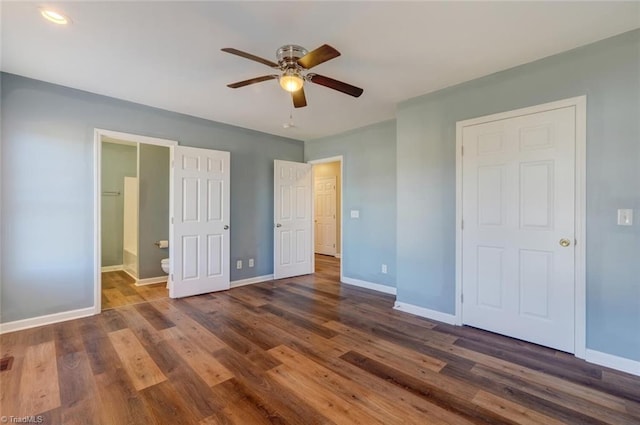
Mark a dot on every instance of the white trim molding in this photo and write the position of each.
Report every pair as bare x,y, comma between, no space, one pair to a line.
580,105
338,255
105,269
369,285
614,362
98,134
425,312
48,319
250,281
152,280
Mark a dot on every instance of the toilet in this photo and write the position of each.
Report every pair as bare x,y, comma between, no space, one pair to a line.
165,265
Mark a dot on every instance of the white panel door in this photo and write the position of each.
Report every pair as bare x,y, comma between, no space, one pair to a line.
200,239
293,246
325,215
518,233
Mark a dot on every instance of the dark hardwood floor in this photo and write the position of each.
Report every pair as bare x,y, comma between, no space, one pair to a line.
119,289
305,350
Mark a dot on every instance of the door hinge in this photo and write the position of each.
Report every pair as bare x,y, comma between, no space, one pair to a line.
462,150
462,224
334,245
461,298
171,220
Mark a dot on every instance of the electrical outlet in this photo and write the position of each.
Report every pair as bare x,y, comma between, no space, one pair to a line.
384,269
625,217
239,264
251,262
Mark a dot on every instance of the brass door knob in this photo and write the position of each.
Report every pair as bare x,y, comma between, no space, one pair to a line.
565,242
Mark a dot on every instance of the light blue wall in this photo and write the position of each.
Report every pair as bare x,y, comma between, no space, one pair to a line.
153,203
118,161
369,184
47,188
608,72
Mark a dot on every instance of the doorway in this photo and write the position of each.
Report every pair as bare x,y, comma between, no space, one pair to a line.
520,205
132,211
134,224
327,217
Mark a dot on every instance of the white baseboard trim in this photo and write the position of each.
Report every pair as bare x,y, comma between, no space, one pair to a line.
425,312
130,274
338,256
48,319
614,362
151,280
251,280
369,285
111,268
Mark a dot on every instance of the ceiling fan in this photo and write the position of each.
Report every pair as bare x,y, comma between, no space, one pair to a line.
293,62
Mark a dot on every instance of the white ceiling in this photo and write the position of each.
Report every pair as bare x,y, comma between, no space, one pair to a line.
167,54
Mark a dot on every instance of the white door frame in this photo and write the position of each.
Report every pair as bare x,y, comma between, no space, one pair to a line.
580,104
98,133
339,159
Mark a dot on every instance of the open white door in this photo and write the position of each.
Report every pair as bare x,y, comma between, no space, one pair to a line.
200,237
293,244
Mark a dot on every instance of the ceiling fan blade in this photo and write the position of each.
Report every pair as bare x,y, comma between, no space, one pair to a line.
318,56
250,57
299,99
252,81
335,84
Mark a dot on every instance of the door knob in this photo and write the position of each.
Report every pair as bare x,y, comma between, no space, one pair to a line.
565,242
278,225
226,227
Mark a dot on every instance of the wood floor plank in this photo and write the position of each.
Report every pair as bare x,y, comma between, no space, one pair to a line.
288,403
205,365
153,316
136,361
322,399
581,408
357,395
119,401
428,390
512,411
588,393
190,327
167,406
39,389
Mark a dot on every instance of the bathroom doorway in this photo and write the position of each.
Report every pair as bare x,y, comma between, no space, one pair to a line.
134,219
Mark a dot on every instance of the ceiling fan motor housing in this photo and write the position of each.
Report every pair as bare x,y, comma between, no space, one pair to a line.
288,56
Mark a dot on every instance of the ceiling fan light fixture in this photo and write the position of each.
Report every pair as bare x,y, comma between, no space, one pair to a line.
54,16
291,81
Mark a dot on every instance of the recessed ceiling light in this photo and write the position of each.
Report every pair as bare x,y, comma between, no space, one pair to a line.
54,16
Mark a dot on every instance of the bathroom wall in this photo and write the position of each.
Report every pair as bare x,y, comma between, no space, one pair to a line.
331,169
153,209
118,161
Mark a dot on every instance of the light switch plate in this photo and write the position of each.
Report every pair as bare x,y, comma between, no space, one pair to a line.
355,214
625,217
